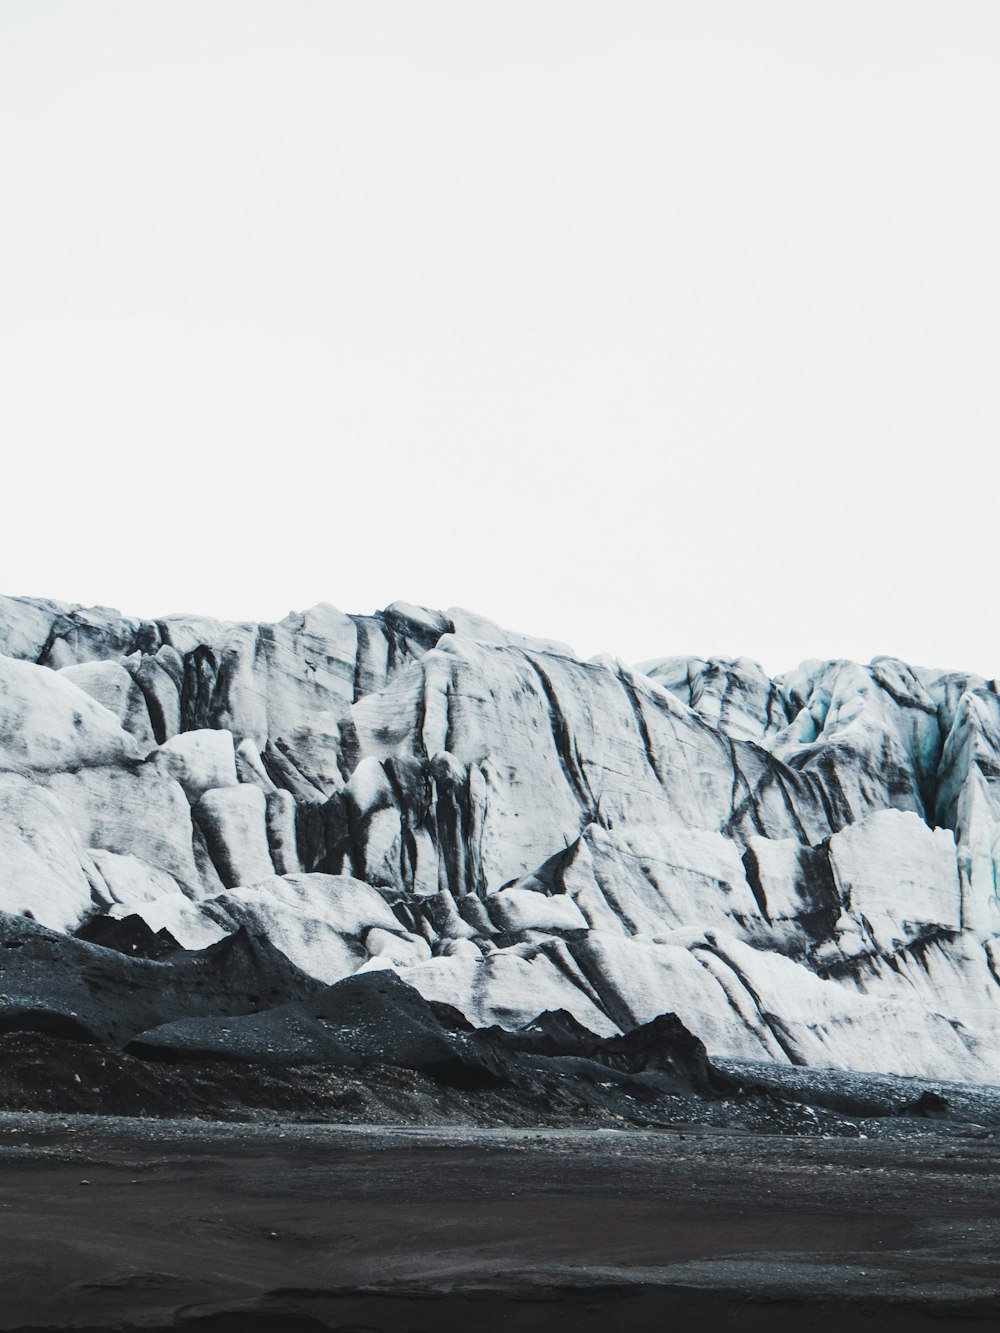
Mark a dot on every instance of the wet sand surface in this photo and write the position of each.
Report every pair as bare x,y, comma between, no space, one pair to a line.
114,1223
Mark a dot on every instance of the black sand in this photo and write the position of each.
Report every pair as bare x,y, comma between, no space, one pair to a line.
549,1179
116,1223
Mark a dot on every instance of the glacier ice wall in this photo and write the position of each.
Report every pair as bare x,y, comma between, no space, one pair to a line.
804,869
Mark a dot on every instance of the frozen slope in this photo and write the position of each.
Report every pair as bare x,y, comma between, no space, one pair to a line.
803,869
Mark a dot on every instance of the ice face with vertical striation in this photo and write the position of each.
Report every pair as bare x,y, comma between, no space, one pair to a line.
804,869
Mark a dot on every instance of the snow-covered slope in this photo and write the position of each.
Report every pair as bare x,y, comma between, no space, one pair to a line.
803,869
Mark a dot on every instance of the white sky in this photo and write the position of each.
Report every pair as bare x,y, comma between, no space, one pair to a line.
657,327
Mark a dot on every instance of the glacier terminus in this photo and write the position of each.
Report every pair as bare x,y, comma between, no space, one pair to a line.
802,869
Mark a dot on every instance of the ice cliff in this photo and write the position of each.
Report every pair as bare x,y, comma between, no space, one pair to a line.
803,869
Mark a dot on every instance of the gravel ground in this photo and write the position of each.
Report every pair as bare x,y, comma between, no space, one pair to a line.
113,1223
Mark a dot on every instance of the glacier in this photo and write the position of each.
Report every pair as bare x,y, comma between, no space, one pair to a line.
803,869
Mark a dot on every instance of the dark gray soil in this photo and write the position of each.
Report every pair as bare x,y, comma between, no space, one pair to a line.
215,1140
114,1223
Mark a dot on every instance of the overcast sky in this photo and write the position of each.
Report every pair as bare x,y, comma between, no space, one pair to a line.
657,327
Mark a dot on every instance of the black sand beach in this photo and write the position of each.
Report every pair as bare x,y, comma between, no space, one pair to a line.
109,1223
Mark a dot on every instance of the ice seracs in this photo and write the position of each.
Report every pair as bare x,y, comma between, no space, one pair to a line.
803,869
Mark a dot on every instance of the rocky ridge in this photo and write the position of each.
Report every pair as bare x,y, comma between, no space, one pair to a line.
803,869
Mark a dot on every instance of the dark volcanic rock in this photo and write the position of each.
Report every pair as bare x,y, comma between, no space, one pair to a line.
49,1073
52,983
242,1002
128,935
375,1018
663,1048
929,1103
370,1018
